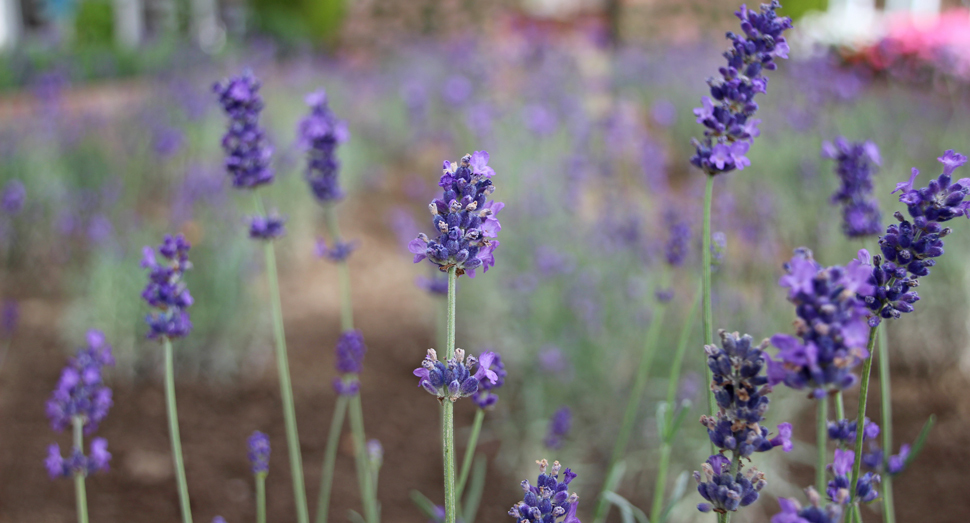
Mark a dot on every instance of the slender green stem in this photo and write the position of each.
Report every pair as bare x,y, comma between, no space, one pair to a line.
286,388
673,384
363,463
821,437
261,497
80,495
706,285
885,397
173,430
448,410
346,303
861,417
329,458
839,406
466,462
632,406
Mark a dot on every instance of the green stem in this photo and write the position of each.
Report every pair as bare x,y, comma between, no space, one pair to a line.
885,397
466,462
346,303
363,463
706,285
839,406
861,419
80,494
329,458
673,383
448,410
632,406
286,388
173,430
821,437
261,497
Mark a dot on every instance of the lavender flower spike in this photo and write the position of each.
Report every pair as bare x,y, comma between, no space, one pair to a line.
792,512
259,452
81,390
909,249
728,118
320,132
831,326
464,219
453,379
486,397
349,360
549,499
165,291
856,162
247,151
559,425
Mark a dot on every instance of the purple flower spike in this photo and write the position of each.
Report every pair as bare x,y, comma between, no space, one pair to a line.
490,375
831,326
12,197
465,220
560,424
453,379
166,292
247,151
320,132
339,252
792,512
856,162
838,488
727,114
548,500
81,391
724,492
259,450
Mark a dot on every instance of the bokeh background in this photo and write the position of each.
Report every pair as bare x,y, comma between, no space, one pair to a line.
110,137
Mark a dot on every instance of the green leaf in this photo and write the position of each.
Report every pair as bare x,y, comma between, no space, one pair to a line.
627,510
426,505
662,421
680,488
475,487
355,517
921,439
614,479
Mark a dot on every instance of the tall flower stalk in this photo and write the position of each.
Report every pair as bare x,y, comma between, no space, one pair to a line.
466,225
259,450
319,134
167,293
728,116
81,401
247,162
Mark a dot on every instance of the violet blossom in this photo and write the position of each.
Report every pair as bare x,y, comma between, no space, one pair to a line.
549,499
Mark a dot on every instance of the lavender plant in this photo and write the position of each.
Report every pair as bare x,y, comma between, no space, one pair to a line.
728,117
81,401
167,293
549,499
740,388
856,162
467,225
248,156
259,450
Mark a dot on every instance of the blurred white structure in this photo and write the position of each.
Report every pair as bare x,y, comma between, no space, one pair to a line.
129,18
10,23
854,23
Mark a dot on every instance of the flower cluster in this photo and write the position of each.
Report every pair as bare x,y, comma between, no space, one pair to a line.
724,492
549,499
166,291
559,425
844,431
831,325
12,196
247,151
838,488
730,128
465,221
81,396
81,390
892,466
337,253
792,512
453,379
740,389
349,361
320,133
78,464
909,248
258,444
266,227
856,162
486,397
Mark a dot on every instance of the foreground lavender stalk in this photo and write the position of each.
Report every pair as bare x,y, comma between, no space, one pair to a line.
247,162
169,296
259,450
728,118
886,403
549,499
466,223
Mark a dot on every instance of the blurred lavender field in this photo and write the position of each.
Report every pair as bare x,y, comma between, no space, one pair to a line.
590,134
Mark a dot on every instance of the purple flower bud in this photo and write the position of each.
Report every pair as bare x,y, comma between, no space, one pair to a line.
259,450
247,151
